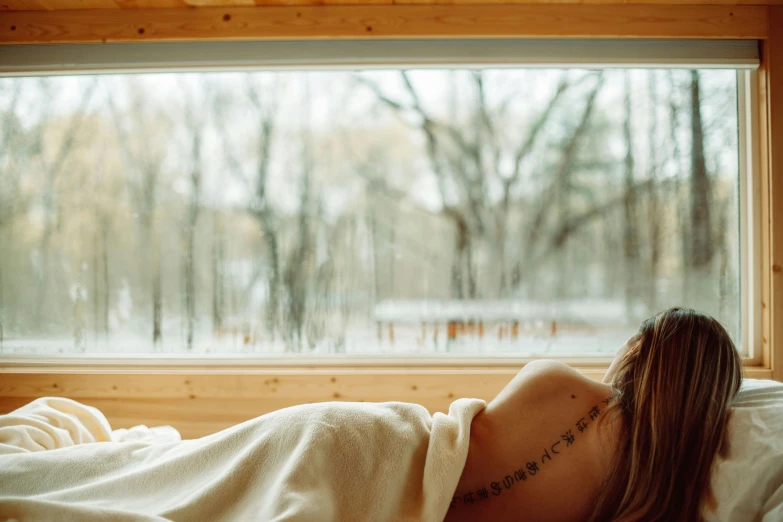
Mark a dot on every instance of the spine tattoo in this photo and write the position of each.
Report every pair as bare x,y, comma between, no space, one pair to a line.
530,468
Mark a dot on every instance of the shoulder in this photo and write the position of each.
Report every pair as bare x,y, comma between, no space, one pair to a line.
548,381
543,378
547,369
539,380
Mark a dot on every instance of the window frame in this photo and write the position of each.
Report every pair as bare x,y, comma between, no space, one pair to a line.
204,57
177,392
750,216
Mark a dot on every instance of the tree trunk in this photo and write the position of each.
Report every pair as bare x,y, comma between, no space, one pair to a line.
375,259
267,221
190,276
2,306
190,237
702,248
106,282
217,275
156,291
273,279
80,312
297,277
52,172
504,285
683,218
392,258
152,243
471,273
157,306
654,220
458,266
630,223
724,276
143,189
6,212
190,290
43,281
96,309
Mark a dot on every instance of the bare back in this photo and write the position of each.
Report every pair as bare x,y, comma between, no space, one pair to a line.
537,451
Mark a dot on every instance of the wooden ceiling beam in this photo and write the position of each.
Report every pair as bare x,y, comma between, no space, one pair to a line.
62,5
394,21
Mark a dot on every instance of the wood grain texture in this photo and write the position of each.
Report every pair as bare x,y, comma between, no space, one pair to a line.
398,21
765,218
49,5
200,403
771,80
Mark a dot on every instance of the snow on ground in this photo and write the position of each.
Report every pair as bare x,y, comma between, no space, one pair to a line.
407,340
397,328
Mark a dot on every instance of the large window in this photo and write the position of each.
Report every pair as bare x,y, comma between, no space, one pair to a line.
463,210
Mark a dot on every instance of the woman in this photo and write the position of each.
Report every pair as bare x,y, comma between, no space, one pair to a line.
552,446
556,446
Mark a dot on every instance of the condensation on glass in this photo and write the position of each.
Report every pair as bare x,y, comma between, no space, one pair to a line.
516,211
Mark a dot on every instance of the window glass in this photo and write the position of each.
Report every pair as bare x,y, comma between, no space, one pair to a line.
499,211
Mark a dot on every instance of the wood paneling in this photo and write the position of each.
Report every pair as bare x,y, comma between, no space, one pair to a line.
398,21
199,402
771,138
765,220
202,402
50,5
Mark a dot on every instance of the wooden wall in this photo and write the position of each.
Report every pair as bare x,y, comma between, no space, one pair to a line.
201,400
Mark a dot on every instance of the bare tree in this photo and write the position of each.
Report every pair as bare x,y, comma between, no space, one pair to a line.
52,170
296,276
724,250
143,161
102,212
554,196
259,207
218,274
105,189
79,298
465,162
702,248
9,185
630,206
195,123
682,202
654,203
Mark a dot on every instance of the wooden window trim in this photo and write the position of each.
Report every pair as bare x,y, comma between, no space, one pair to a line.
487,20
200,398
770,87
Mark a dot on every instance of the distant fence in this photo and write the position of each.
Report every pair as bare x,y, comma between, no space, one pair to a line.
505,319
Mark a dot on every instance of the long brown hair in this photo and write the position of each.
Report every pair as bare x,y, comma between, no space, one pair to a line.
672,397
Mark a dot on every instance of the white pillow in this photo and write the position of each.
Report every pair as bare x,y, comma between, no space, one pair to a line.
748,484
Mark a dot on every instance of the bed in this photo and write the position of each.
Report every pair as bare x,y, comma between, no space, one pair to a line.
748,484
396,463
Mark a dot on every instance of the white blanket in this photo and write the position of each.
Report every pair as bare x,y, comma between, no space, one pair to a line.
54,422
320,462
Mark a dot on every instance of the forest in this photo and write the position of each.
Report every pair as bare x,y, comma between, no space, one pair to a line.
491,211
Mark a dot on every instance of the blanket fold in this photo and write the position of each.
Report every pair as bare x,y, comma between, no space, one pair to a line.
317,462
